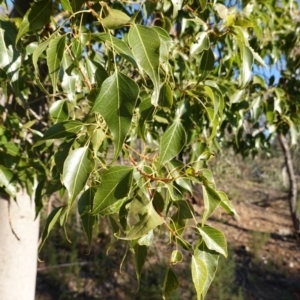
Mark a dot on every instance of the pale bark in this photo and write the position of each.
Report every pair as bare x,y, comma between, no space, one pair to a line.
18,256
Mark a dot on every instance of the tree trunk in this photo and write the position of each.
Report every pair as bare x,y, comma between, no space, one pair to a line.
292,182
18,250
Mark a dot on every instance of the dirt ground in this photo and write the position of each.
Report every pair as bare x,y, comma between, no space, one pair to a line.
264,257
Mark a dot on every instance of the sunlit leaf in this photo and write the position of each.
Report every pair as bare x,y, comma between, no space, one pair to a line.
77,168
210,259
115,185
145,44
172,142
199,275
6,177
115,19
116,103
201,44
214,239
247,62
36,17
211,201
55,54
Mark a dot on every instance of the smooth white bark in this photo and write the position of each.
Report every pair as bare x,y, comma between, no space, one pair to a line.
18,258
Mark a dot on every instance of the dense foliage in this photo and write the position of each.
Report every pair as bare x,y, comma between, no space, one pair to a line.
118,106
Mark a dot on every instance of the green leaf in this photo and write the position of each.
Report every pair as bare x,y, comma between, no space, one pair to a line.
199,275
36,17
50,222
210,258
115,19
172,142
149,219
61,154
55,54
38,52
222,10
77,4
6,177
59,111
118,46
10,58
184,210
145,45
165,99
140,255
115,185
203,4
171,284
211,200
176,170
201,44
66,5
226,203
247,62
116,103
177,4
214,239
207,61
77,169
176,257
63,129
85,205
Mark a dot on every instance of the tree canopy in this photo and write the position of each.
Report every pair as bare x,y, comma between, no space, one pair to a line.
118,106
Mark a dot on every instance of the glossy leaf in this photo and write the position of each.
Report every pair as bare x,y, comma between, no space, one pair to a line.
226,204
115,185
59,111
172,142
55,54
63,129
201,44
77,168
247,62
118,46
10,58
145,44
36,17
171,284
214,239
116,103
210,259
6,177
177,4
211,201
199,275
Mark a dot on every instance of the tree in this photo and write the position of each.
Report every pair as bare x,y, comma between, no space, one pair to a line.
118,106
